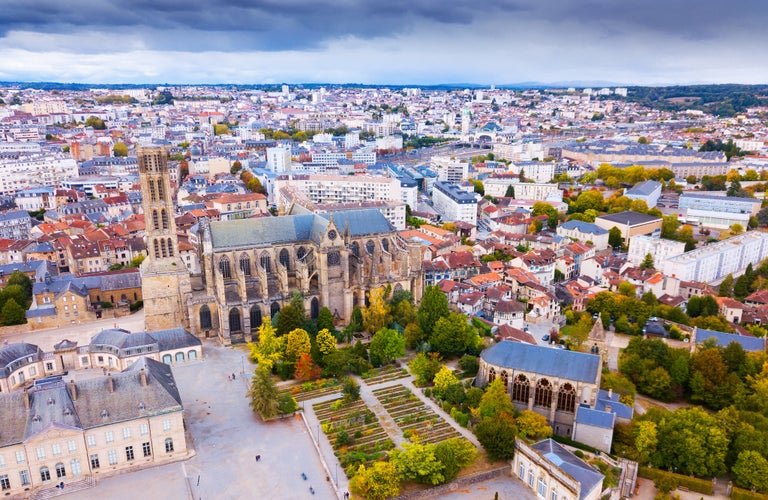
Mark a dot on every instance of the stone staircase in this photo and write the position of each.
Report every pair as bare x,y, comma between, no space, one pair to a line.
51,492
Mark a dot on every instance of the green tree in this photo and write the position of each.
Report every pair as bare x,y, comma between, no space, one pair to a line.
741,287
531,425
454,454
646,439
510,193
541,208
614,238
263,394
417,462
751,471
443,379
325,320
376,315
726,287
17,278
351,390
297,343
587,200
270,349
386,346
220,129
434,305
497,435
452,335
378,482
414,335
236,167
326,342
12,313
120,149
648,262
291,317
95,123
404,313
425,366
627,289
495,400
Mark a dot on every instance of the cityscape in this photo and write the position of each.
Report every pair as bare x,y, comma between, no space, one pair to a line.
353,250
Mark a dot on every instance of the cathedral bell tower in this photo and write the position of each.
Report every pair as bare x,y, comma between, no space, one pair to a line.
164,277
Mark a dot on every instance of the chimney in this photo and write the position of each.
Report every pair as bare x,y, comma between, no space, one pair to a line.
608,408
72,390
110,383
26,399
610,393
143,377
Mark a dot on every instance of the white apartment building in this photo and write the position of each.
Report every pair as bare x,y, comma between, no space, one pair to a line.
279,159
541,172
366,157
450,169
454,204
714,262
46,107
660,249
520,151
409,192
497,187
390,142
323,189
33,170
209,166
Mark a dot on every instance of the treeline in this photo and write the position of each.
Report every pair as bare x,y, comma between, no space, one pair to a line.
720,100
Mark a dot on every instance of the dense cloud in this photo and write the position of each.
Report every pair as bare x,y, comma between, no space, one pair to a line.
415,41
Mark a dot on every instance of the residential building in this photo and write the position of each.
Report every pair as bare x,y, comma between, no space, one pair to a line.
450,170
647,191
660,249
15,224
454,204
584,231
713,262
630,223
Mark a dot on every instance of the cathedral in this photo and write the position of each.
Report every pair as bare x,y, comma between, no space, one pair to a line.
250,268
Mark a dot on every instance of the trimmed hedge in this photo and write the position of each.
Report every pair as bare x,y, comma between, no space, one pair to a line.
742,494
576,444
692,483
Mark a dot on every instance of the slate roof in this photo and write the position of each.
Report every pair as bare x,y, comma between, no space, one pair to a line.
543,360
631,218
569,463
265,231
723,339
17,351
595,418
164,340
620,409
644,188
584,227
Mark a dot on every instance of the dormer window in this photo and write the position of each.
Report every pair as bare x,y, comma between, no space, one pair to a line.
105,414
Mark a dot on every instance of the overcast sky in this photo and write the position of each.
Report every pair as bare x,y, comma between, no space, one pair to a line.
380,41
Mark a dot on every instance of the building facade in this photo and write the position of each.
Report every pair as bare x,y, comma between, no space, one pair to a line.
454,204
659,248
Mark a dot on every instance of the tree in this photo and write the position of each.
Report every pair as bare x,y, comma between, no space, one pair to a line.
541,208
297,343
386,346
762,217
452,335
270,348
12,313
291,317
497,435
236,167
326,342
425,366
580,333
263,394
751,471
350,389
306,369
454,454
95,123
220,129
531,425
325,320
736,228
443,380
25,284
639,206
627,289
511,193
495,400
741,287
726,287
378,482
646,439
434,305
414,335
377,315
648,262
120,149
404,313
615,239
587,200
417,462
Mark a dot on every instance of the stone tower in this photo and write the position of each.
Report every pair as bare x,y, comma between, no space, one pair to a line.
164,277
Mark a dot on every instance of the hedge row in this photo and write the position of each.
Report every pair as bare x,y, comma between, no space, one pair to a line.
742,494
692,483
576,444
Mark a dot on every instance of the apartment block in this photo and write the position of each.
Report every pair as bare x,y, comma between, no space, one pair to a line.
454,204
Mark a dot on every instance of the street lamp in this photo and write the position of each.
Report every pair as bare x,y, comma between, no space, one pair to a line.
242,364
337,474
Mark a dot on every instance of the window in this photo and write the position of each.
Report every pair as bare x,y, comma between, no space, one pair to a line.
74,464
45,474
41,453
5,483
56,449
91,439
109,437
112,454
543,394
553,495
32,369
168,445
60,470
71,446
24,477
566,398
84,360
542,488
144,429
147,449
2,461
521,471
530,478
95,461
129,453
49,367
521,389
19,457
167,425
126,433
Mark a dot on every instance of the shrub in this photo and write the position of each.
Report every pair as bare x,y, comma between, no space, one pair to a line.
107,305
461,418
692,483
342,438
742,494
469,364
136,305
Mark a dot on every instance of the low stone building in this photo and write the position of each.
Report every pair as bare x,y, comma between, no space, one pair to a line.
56,432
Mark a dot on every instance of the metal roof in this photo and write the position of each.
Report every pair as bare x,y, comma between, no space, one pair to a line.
543,360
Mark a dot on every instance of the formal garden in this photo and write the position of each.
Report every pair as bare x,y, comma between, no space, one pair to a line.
385,374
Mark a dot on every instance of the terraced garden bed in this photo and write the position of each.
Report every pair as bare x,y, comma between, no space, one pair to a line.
413,416
354,432
385,374
312,390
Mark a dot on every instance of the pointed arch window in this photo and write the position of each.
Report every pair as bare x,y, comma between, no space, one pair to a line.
521,389
566,398
245,265
224,268
543,395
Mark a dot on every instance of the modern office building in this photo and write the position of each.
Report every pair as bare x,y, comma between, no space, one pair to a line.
630,223
454,204
648,191
717,211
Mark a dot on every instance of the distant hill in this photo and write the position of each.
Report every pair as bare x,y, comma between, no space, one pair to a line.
720,100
